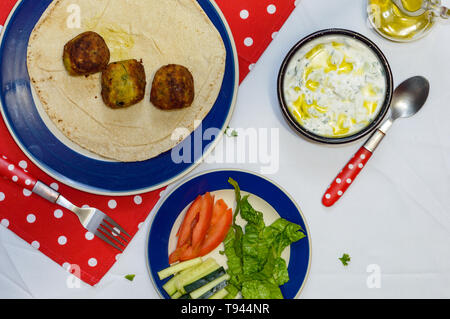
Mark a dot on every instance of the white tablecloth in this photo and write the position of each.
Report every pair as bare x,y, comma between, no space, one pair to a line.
394,221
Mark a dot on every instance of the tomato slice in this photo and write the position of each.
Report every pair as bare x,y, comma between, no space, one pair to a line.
185,231
220,224
204,227
190,252
176,254
183,253
220,207
193,229
203,221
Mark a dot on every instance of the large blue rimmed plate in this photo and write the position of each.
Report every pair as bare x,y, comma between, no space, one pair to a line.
265,196
74,168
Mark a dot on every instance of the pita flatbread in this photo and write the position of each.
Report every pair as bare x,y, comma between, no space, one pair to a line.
158,32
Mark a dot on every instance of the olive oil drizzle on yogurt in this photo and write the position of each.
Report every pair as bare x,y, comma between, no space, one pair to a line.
334,86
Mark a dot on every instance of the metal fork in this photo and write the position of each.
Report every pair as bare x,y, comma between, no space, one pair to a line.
94,220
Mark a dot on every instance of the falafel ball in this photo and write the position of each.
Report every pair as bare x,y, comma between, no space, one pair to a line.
86,54
123,83
172,88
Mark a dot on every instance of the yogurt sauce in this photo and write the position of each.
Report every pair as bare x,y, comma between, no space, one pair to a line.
334,86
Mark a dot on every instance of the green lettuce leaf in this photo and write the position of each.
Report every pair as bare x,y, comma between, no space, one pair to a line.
260,289
282,233
253,255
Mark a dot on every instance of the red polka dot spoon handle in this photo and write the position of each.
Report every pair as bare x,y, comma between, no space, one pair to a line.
346,177
16,174
407,100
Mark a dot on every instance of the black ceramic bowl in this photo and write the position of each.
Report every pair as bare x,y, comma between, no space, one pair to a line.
349,138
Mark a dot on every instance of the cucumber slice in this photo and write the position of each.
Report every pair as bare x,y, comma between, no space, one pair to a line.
213,290
205,280
195,273
221,294
209,289
169,286
176,295
179,267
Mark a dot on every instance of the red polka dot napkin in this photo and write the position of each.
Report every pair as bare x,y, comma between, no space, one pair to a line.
57,232
254,24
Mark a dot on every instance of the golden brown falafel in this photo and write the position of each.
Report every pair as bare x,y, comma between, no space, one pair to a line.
86,54
172,88
123,83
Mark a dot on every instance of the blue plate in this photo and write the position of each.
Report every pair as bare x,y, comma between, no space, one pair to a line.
179,198
71,167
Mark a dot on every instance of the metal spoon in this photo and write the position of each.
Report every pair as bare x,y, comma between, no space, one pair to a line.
407,100
441,11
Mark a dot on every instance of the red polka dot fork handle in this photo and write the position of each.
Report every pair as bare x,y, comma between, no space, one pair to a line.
92,219
351,170
22,178
13,173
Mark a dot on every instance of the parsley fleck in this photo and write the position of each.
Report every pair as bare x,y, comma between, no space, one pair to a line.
233,133
345,259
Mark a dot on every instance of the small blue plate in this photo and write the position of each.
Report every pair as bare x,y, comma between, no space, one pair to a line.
217,180
73,168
